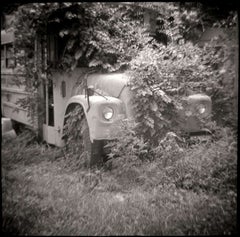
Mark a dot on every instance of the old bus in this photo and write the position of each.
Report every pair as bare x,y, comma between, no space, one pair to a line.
105,100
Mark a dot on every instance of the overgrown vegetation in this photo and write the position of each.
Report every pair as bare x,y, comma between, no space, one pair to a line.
112,37
188,192
156,181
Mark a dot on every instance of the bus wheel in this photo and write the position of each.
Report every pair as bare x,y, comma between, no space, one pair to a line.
77,139
93,150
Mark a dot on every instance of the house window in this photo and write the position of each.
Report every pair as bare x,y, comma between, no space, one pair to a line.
7,56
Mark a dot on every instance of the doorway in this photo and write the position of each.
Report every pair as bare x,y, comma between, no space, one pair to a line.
49,131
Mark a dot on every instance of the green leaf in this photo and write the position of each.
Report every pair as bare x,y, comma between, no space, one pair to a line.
95,63
62,33
154,106
74,65
78,54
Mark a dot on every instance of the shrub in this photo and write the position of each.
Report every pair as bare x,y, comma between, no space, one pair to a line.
128,150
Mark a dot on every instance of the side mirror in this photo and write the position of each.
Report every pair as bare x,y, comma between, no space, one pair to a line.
90,90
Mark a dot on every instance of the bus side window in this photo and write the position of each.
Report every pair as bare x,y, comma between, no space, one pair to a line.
10,62
7,56
2,56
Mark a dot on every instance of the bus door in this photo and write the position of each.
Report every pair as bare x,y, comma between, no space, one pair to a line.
46,91
49,131
54,91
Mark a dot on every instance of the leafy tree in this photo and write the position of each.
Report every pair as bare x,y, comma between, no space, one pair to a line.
96,35
102,35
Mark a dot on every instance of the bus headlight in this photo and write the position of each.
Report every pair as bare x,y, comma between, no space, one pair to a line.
201,109
107,113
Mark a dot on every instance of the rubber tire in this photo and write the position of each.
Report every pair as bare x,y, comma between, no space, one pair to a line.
93,150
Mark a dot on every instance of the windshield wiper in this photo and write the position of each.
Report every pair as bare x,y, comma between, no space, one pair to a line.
122,90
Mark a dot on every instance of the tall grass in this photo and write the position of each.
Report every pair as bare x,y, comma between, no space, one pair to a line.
188,193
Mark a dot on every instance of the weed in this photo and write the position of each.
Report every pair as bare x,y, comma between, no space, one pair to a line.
190,192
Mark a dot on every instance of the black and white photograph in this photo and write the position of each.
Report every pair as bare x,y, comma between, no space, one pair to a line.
119,118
